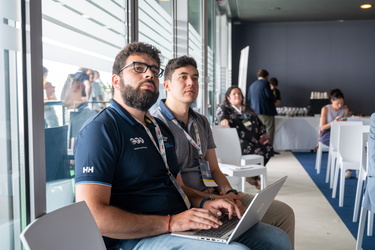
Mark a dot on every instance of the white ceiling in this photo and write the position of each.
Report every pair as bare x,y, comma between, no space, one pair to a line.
296,10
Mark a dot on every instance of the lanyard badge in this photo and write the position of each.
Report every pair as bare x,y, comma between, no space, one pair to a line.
161,150
204,165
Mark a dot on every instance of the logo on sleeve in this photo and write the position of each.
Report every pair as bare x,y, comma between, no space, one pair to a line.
87,170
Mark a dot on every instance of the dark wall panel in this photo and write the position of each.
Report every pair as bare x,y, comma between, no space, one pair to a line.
312,56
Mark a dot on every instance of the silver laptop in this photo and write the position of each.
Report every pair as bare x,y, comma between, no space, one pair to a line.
231,229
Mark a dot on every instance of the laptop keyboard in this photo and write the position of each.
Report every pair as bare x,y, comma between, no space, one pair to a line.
222,230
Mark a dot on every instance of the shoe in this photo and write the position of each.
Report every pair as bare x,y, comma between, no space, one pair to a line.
254,181
276,153
348,174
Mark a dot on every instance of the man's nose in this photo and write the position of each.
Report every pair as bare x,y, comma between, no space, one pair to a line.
149,73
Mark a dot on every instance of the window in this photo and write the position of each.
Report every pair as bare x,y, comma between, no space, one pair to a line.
12,167
83,37
155,27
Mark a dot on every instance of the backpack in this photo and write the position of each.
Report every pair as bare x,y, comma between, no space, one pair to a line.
68,87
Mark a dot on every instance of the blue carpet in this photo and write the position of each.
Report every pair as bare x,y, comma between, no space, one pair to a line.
307,160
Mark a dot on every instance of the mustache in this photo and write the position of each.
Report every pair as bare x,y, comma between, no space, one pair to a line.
149,81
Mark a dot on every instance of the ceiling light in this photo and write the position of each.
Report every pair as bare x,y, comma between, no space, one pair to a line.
366,6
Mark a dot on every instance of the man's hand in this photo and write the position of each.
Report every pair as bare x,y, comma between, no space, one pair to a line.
216,206
235,198
195,218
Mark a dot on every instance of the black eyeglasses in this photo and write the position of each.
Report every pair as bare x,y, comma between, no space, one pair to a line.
140,67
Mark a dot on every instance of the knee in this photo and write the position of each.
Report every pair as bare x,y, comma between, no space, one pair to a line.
285,211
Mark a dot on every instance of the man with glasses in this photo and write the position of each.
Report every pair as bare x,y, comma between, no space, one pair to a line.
126,168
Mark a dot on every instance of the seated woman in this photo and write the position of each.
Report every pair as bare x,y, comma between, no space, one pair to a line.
251,131
336,111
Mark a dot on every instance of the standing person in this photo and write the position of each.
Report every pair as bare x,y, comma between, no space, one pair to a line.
195,146
126,170
276,92
335,111
97,93
262,100
50,117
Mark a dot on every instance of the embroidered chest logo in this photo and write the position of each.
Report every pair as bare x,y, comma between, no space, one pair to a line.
137,140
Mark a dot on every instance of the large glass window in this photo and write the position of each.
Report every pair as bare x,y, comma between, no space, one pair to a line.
80,36
80,42
211,61
155,27
12,175
195,46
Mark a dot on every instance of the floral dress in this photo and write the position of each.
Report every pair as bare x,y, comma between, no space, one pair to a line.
249,129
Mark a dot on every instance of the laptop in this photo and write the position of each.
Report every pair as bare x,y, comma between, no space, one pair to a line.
232,229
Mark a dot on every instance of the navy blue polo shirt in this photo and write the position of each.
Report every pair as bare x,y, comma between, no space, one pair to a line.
113,149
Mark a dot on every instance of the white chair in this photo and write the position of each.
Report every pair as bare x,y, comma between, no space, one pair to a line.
362,173
318,162
368,206
231,160
72,227
348,156
332,153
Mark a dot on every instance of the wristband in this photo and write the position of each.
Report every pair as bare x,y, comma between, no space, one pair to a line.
206,199
232,191
169,224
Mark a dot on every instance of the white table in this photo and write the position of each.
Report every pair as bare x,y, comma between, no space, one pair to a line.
300,133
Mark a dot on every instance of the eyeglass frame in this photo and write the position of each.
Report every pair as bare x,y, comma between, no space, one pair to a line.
147,67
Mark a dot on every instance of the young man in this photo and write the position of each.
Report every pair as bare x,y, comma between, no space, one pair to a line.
181,84
126,167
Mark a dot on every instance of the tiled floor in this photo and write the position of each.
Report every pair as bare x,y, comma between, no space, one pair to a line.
317,224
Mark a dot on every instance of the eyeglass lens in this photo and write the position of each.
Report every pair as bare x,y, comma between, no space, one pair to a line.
142,68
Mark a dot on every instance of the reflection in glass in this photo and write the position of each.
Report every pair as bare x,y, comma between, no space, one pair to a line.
155,27
195,45
12,194
80,42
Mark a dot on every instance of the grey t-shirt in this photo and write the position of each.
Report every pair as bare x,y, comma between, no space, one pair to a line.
187,154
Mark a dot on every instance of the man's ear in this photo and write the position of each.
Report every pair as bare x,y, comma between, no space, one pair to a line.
166,84
116,81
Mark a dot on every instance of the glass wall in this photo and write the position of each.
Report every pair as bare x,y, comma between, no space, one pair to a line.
80,41
211,105
196,46
12,164
155,27
74,39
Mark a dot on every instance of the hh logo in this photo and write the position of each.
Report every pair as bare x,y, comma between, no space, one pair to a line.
137,140
88,170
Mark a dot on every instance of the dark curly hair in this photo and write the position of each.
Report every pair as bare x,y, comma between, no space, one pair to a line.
135,48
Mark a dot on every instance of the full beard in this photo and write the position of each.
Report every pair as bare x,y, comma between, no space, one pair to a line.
138,98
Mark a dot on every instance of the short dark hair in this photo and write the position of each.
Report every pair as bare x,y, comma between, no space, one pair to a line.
135,48
229,90
336,94
262,73
274,81
177,63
